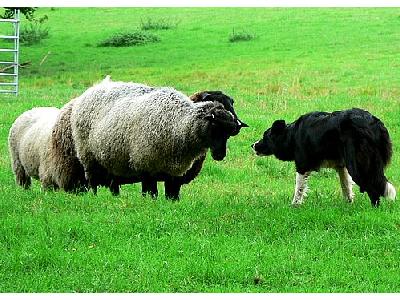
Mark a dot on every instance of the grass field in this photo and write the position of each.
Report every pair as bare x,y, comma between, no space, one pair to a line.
234,229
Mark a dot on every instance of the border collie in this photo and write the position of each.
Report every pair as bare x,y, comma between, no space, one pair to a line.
353,142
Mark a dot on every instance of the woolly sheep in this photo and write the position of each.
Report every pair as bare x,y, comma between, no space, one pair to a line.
160,133
28,143
149,185
66,169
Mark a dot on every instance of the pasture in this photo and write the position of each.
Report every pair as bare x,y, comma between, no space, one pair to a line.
234,229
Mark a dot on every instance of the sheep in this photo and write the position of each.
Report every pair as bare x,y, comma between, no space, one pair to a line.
69,173
66,170
28,143
149,185
159,134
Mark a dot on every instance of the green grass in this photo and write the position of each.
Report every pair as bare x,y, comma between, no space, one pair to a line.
234,229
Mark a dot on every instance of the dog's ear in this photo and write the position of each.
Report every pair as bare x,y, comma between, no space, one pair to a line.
278,127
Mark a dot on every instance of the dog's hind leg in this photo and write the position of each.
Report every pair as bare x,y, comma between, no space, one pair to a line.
366,168
346,183
371,182
300,188
380,187
374,197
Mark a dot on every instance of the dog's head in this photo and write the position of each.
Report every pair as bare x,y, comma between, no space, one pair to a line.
273,141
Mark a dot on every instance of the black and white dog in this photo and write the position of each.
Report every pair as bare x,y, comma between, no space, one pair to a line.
353,142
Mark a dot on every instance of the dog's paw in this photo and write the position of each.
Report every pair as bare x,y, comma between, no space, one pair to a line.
296,203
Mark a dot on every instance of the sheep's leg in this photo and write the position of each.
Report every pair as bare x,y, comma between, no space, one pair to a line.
21,177
95,174
94,187
114,187
149,187
172,188
346,183
48,184
91,182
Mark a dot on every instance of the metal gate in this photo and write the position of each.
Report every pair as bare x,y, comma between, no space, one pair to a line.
9,57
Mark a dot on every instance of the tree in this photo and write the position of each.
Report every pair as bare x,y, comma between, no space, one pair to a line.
28,12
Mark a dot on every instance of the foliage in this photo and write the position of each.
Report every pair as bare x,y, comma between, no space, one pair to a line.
240,36
157,24
28,12
125,39
34,32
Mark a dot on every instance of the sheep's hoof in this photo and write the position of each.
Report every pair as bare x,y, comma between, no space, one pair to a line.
114,189
151,194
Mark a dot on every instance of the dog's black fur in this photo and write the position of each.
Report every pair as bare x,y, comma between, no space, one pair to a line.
352,138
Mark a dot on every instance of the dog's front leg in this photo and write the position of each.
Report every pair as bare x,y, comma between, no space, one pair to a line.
347,184
300,188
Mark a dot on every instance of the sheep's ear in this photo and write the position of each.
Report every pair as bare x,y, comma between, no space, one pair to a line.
210,117
241,123
278,127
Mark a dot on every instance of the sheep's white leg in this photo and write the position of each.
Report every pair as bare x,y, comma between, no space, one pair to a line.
300,188
346,183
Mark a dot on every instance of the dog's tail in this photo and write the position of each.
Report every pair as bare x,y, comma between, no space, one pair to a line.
390,191
385,144
367,151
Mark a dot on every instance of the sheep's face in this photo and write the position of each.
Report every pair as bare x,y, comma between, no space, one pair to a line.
225,100
222,125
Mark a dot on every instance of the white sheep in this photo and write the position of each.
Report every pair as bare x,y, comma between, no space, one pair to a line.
125,134
149,185
66,170
28,143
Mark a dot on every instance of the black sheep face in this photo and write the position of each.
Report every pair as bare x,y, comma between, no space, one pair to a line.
222,125
272,141
227,102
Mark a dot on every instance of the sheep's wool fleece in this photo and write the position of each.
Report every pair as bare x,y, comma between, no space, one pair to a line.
29,140
132,129
66,170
